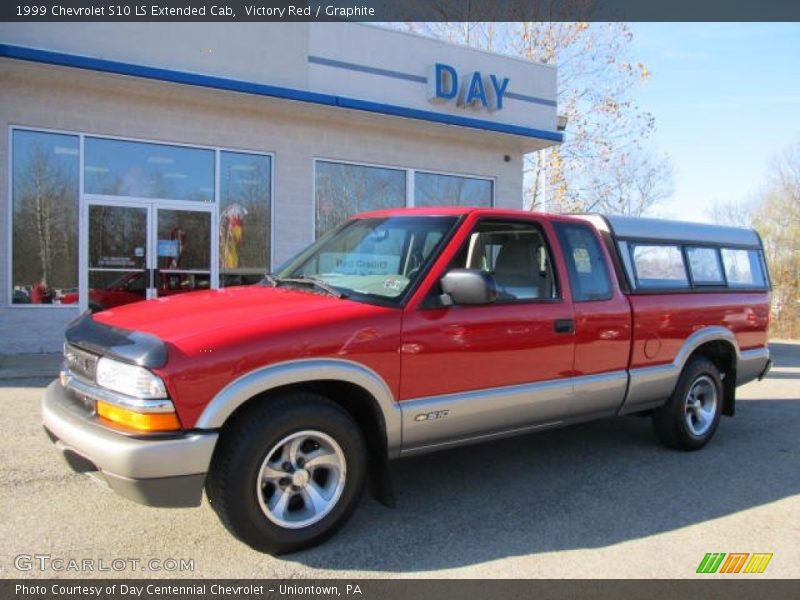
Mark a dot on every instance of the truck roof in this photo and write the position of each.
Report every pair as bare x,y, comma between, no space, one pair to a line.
444,210
639,228
665,230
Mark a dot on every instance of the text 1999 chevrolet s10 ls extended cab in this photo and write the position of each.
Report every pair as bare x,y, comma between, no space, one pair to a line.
402,332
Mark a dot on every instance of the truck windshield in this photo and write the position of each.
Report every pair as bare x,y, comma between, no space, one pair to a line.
378,258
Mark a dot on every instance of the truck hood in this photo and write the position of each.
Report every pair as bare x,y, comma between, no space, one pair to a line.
258,308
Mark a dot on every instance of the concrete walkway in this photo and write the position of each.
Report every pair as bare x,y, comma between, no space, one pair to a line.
29,366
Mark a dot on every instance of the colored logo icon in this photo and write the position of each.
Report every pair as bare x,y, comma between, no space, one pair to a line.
734,562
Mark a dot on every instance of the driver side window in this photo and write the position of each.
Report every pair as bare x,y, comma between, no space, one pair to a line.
516,254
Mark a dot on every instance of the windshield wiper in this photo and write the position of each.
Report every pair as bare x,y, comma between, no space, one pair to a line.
306,280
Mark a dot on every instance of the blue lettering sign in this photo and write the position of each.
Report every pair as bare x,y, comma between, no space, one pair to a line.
499,90
476,90
445,82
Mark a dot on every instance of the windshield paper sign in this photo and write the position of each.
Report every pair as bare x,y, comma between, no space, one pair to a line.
358,264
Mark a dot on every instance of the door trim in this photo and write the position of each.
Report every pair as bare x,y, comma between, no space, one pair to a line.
460,418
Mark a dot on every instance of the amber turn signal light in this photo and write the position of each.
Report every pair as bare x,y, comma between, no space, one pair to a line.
136,420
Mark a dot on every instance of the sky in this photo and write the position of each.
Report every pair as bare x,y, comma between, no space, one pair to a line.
726,101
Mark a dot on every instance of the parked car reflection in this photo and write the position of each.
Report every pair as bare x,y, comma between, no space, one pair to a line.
132,287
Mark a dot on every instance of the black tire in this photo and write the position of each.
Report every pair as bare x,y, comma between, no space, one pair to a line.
675,424
243,448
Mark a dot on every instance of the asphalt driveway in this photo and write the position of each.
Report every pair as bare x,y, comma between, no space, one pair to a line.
596,500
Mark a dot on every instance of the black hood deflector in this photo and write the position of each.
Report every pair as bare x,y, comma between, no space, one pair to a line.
134,347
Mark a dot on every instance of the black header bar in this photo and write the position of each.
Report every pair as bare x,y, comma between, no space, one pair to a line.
399,10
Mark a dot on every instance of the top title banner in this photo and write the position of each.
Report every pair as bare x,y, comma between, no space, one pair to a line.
399,10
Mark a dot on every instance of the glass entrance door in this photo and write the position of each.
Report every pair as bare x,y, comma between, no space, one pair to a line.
182,251
142,250
118,256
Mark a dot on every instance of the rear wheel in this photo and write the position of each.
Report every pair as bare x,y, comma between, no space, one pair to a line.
287,473
690,418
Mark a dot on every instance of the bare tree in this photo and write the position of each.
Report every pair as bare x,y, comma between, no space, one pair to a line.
777,218
45,211
596,77
634,185
738,214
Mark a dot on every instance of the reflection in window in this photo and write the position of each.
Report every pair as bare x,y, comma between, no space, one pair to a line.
244,217
743,268
704,265
44,190
184,240
375,257
586,265
117,237
659,266
431,189
143,170
343,190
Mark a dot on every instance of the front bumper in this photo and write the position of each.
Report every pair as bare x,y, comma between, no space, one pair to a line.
161,471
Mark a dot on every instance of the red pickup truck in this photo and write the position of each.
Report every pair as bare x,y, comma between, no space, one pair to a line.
402,332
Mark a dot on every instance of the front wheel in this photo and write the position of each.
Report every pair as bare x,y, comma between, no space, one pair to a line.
287,473
691,416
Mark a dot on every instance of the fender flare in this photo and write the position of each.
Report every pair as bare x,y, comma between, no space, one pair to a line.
263,379
713,333
650,387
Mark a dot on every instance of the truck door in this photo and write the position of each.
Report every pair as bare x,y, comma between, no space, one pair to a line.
602,321
481,369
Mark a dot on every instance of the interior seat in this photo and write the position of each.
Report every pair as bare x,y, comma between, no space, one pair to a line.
516,270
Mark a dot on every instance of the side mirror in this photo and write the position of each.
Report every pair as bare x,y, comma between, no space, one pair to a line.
468,286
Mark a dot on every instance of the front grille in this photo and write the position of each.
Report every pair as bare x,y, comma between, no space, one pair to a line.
81,363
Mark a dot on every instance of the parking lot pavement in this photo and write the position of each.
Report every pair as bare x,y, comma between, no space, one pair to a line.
597,500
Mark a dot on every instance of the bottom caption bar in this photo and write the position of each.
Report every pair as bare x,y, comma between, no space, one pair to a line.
390,589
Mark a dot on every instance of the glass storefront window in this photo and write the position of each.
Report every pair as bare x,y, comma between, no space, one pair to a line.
343,190
432,189
46,177
144,170
245,191
44,189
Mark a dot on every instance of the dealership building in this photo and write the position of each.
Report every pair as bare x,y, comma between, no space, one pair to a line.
145,160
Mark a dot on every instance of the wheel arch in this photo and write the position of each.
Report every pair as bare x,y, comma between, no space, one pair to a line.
358,389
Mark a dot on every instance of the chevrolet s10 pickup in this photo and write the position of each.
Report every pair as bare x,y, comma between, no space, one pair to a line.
402,332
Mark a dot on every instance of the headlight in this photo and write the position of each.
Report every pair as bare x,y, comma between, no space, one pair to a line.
130,380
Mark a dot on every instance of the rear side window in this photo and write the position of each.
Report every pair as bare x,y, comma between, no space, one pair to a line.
705,266
743,268
658,266
588,271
